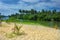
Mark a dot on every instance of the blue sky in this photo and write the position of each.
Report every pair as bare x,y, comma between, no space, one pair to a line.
8,7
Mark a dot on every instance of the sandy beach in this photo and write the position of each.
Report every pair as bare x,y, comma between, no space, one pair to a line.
32,32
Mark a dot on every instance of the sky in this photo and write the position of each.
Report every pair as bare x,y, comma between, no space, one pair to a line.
8,7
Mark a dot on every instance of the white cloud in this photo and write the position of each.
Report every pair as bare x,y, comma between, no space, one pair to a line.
31,1
22,5
13,8
56,0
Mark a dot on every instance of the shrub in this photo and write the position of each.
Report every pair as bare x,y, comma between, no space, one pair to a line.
17,29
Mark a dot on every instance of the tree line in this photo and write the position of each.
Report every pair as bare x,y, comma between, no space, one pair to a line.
44,15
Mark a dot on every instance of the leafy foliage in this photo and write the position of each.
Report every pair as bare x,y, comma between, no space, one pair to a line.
32,14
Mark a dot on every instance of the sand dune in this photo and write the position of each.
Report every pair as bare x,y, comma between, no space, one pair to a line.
33,32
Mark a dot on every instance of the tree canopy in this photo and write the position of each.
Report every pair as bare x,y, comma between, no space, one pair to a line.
35,15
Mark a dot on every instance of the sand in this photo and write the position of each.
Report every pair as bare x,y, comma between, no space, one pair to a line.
32,32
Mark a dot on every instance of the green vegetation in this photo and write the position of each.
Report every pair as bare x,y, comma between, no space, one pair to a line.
34,15
37,15
44,17
0,19
17,29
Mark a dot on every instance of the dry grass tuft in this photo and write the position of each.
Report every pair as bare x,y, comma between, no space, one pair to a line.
16,31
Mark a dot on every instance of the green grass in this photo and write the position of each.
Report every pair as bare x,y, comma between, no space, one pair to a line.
44,23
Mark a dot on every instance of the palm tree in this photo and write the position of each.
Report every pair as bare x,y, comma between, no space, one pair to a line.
20,10
32,11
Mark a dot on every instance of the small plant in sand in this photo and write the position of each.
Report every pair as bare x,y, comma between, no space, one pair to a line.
55,27
16,31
